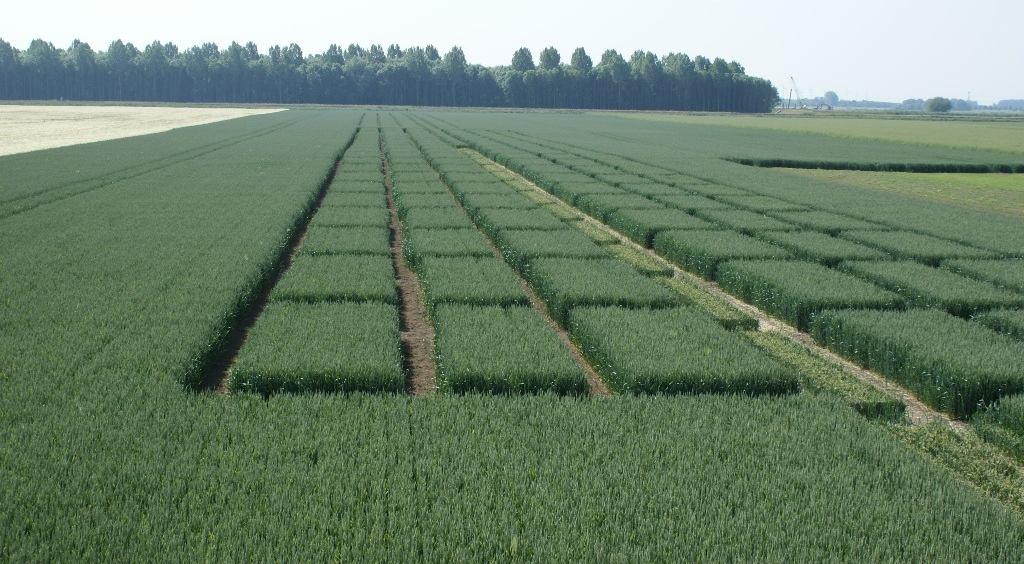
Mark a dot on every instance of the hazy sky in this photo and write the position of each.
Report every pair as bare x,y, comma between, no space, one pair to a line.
862,49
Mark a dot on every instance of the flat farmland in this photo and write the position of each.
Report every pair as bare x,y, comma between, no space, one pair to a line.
382,333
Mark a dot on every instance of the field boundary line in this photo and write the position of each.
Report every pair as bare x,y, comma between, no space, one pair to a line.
416,329
214,370
917,412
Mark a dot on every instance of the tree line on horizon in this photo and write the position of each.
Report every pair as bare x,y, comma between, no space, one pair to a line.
394,76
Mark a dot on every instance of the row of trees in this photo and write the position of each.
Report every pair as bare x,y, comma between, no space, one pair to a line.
413,76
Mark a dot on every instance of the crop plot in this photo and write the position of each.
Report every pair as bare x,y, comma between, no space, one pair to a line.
1006,321
433,186
925,248
744,221
924,286
436,218
1003,424
796,290
824,221
701,251
1003,273
954,365
819,247
502,350
470,280
345,240
520,246
762,203
627,346
337,278
493,220
476,202
651,189
327,347
567,283
404,202
351,216
342,199
690,202
425,242
600,206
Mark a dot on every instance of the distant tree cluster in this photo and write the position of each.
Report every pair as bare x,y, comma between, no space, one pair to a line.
938,105
354,75
934,105
1012,105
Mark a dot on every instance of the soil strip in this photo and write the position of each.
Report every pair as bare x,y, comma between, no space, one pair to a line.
417,330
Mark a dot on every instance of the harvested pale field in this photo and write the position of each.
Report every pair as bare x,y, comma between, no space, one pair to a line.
26,128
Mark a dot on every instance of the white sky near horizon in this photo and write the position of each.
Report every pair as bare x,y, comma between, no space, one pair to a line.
868,49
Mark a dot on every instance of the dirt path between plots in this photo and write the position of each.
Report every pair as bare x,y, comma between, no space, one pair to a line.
918,413
417,331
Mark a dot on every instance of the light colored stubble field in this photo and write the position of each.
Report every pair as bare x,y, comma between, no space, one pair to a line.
26,128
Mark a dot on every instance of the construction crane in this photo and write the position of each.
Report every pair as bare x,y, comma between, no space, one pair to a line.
799,99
